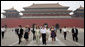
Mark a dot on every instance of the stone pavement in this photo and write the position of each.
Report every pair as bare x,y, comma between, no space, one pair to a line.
11,39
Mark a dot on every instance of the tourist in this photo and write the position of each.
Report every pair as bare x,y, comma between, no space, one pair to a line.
41,27
43,32
75,34
47,33
3,30
60,30
65,32
20,33
53,34
33,31
26,32
5,26
16,31
37,33
40,31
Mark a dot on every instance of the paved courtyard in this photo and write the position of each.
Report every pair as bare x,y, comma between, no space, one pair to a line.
11,39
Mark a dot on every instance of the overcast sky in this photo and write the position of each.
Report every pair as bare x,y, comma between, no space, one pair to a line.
18,5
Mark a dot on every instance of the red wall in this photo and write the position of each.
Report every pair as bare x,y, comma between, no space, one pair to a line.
14,22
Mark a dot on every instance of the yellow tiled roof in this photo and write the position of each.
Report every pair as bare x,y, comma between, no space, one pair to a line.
45,6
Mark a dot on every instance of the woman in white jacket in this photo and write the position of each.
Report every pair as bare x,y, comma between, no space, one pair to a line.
37,34
47,33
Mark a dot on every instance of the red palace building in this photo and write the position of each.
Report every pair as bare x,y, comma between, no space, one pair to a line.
39,14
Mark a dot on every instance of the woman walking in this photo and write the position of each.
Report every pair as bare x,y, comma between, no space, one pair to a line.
53,34
47,33
27,31
37,34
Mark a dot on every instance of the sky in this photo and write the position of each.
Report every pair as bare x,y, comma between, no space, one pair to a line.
18,5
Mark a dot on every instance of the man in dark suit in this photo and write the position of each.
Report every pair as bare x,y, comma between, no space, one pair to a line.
33,31
75,34
60,30
16,31
20,33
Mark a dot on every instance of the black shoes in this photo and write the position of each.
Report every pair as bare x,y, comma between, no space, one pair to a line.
19,43
76,40
44,43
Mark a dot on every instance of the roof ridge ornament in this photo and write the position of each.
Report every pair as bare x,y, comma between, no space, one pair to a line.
81,7
12,7
33,3
59,4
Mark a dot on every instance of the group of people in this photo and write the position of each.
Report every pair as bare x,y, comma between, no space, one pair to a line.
41,32
38,32
74,33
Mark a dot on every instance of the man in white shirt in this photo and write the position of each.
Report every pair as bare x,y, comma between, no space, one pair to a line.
2,31
43,32
65,32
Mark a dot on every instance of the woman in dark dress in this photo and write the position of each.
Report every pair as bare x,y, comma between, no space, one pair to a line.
53,34
27,31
